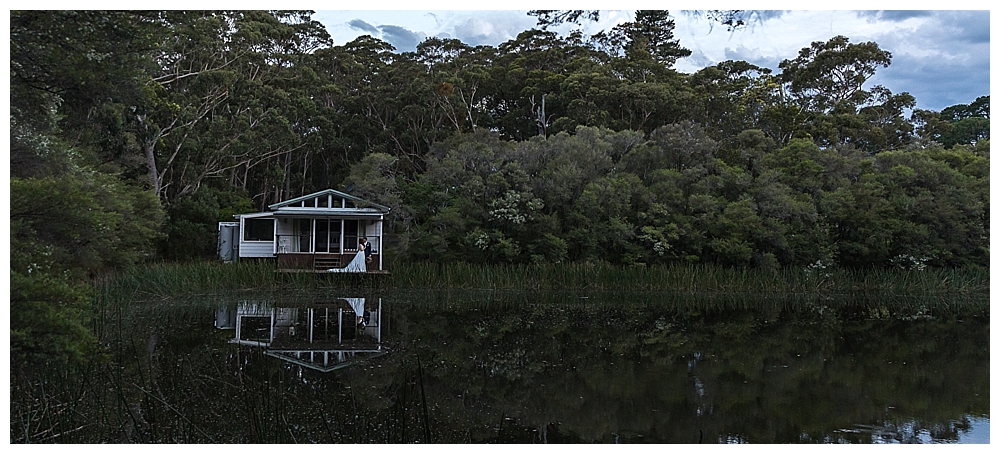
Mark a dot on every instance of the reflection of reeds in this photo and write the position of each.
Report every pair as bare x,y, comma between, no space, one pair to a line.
218,278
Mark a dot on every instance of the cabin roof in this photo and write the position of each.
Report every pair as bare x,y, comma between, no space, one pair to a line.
348,213
335,193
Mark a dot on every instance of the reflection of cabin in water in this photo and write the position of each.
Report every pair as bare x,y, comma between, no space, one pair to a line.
323,337
319,231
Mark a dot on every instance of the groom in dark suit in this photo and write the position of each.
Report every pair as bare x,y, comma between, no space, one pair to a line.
368,250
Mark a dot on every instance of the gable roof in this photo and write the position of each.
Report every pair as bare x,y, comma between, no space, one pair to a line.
334,193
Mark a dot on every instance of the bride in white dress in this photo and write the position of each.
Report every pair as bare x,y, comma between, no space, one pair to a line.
357,265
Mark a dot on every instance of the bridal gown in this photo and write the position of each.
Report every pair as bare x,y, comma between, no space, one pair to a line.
357,265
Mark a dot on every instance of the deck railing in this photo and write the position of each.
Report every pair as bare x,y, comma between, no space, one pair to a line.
304,244
287,244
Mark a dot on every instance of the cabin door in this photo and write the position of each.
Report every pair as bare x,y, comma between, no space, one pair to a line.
328,236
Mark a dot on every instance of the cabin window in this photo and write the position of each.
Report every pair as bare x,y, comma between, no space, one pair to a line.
303,226
258,229
303,242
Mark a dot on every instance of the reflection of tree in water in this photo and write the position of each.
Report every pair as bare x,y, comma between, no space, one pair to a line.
767,375
907,431
550,372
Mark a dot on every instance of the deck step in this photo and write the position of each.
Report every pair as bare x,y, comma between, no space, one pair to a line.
325,263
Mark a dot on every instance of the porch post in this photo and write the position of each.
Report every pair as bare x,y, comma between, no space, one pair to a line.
341,236
312,247
381,242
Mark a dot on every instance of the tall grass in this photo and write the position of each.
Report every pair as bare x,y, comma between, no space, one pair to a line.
213,278
688,278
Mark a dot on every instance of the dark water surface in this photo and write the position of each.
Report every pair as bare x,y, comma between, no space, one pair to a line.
438,367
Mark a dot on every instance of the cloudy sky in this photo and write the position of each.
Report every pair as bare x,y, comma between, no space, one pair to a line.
942,57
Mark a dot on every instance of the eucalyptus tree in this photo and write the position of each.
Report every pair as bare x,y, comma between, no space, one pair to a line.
958,124
928,126
528,73
461,79
969,124
826,74
968,131
885,126
588,95
978,108
383,102
733,19
826,81
220,109
562,165
347,75
734,96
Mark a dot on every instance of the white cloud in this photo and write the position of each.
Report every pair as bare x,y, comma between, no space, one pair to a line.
475,31
488,27
695,61
744,53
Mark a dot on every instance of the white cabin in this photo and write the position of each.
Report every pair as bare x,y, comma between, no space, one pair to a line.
319,232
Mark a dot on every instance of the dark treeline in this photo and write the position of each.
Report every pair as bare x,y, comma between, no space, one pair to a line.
134,133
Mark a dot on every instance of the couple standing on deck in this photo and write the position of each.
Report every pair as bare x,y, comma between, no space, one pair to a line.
364,247
361,259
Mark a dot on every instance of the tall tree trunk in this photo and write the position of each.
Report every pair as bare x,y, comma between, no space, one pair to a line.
154,176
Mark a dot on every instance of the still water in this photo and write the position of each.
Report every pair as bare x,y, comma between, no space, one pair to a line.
439,367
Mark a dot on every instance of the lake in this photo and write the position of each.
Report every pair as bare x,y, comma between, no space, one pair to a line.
521,367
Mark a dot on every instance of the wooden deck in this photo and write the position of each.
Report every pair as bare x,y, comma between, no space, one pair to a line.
308,271
319,262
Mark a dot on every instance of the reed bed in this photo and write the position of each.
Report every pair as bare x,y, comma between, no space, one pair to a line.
689,278
173,280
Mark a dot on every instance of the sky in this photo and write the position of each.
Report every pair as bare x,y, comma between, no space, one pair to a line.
941,57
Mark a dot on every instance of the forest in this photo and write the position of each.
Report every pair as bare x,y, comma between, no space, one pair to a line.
133,133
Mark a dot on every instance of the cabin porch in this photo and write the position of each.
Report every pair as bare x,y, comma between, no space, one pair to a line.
321,261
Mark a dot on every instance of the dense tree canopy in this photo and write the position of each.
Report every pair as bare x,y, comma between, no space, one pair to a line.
134,133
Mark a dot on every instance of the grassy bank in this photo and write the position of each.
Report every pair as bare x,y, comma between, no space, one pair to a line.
166,280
